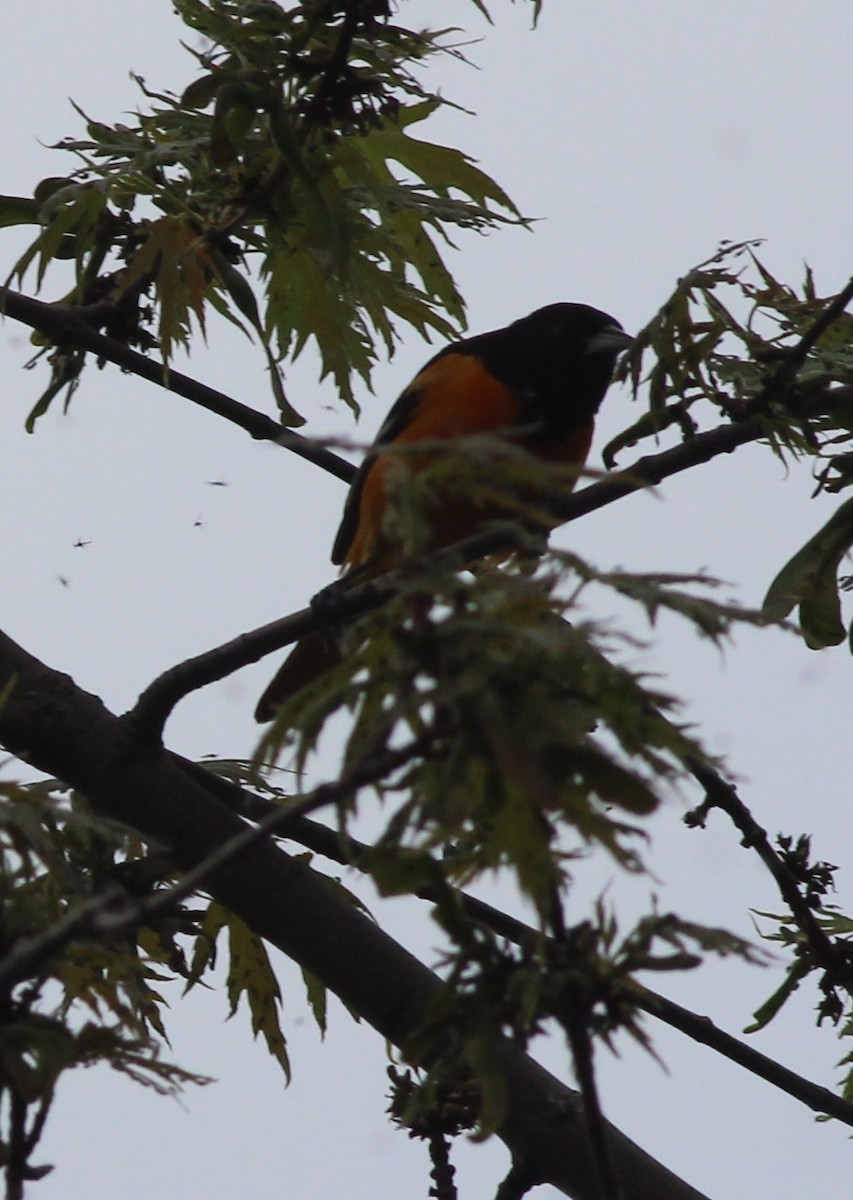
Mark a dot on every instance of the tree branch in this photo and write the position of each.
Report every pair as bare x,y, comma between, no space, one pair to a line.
49,722
719,793
112,913
348,851
155,704
798,353
702,1029
64,326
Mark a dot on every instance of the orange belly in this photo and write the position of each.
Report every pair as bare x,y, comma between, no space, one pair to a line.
464,401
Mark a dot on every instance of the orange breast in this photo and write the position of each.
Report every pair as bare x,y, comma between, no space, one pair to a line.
457,398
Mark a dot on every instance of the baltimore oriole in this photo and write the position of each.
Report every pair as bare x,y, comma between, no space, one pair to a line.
538,382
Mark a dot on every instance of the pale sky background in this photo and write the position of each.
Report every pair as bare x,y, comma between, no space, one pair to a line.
642,134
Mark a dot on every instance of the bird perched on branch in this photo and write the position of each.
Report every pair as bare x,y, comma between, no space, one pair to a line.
536,384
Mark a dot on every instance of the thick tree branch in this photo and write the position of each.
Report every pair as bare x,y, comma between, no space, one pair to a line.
49,722
112,913
65,327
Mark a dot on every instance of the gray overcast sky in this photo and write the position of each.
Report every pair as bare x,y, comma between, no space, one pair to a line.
641,135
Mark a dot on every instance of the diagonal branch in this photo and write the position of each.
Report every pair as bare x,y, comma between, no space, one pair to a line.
702,1029
58,728
157,701
112,914
348,851
719,793
64,326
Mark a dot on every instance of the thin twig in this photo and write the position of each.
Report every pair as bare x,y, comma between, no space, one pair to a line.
797,355
719,793
148,716
29,953
573,1019
337,62
702,1029
16,1155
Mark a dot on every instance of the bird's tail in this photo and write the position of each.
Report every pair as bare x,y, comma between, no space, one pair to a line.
310,658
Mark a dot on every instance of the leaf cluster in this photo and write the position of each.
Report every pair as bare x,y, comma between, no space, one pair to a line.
281,188
587,975
535,746
86,1002
89,996
731,336
829,963
734,337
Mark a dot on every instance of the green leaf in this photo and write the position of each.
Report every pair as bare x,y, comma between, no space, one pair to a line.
402,873
179,262
480,6
810,580
650,424
765,1013
233,117
614,784
200,93
65,375
250,973
440,167
240,291
482,1053
33,1053
305,302
18,210
317,995
285,137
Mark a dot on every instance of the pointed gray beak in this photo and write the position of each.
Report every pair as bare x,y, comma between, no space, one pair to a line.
611,340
